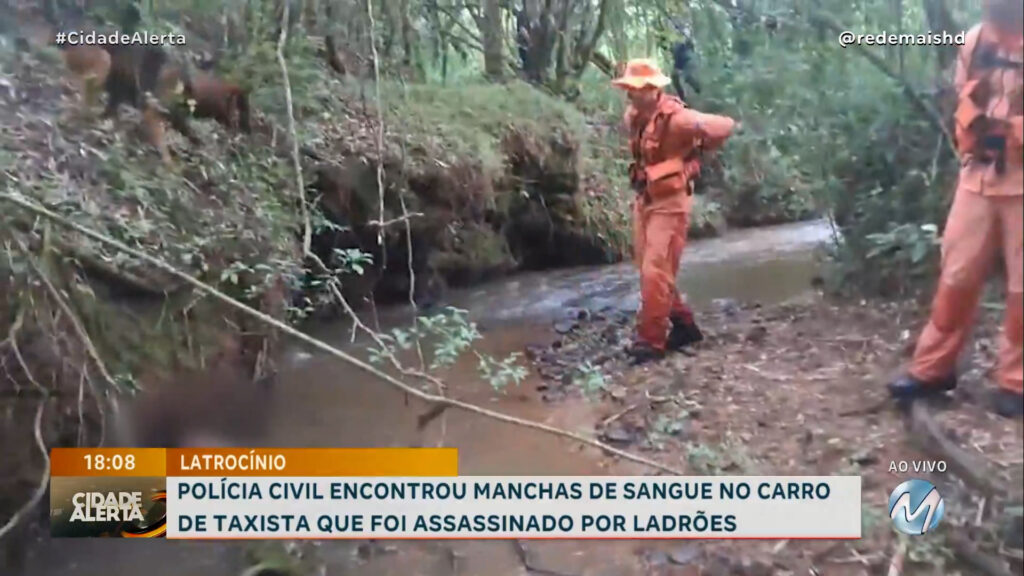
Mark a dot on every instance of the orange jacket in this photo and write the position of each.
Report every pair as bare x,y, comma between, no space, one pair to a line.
664,147
990,102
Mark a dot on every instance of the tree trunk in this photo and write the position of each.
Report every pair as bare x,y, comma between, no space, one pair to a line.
940,19
620,40
410,40
312,15
587,46
437,37
537,32
561,53
603,63
493,41
392,24
899,30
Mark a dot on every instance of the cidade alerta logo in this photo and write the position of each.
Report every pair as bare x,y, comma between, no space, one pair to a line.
916,507
155,529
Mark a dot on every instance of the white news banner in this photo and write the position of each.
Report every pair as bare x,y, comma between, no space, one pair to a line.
467,507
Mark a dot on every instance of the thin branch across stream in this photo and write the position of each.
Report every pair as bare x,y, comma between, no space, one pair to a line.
327,348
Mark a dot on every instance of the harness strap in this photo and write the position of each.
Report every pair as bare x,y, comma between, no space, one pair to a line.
977,133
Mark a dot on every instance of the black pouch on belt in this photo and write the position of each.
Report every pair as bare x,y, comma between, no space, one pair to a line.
993,148
637,179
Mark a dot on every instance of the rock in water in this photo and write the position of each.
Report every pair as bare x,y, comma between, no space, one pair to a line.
656,558
757,334
533,351
618,434
684,554
566,326
726,306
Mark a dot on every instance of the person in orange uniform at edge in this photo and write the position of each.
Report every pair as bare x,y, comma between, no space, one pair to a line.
666,138
986,220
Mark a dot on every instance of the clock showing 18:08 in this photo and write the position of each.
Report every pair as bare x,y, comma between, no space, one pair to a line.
116,462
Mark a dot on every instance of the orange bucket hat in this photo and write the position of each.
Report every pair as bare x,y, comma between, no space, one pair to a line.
642,72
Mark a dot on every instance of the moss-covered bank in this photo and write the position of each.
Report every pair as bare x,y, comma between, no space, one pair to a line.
83,326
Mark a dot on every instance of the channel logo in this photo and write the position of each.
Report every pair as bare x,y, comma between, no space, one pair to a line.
916,507
108,507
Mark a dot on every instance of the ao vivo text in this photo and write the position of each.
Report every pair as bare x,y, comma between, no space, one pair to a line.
903,466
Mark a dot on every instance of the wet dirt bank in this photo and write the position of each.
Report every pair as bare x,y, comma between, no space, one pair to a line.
766,393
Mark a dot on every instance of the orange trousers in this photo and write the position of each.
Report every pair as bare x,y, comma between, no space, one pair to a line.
979,229
658,242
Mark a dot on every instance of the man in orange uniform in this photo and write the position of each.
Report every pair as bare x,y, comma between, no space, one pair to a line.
987,217
666,139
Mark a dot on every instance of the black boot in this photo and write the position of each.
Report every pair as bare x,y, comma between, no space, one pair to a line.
684,333
642,352
1007,403
907,387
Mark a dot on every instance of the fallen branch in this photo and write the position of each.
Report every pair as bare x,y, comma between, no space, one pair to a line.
822,555
972,470
113,273
858,558
44,478
24,366
320,345
110,273
1014,554
82,376
619,414
968,553
657,399
404,218
12,333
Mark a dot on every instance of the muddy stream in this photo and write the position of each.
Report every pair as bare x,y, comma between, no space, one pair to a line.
330,404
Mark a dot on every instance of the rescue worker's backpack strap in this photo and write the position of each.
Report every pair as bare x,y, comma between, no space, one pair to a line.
689,166
989,140
665,167
636,178
968,111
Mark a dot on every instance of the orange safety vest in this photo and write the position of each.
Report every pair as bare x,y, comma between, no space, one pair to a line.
990,136
658,171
